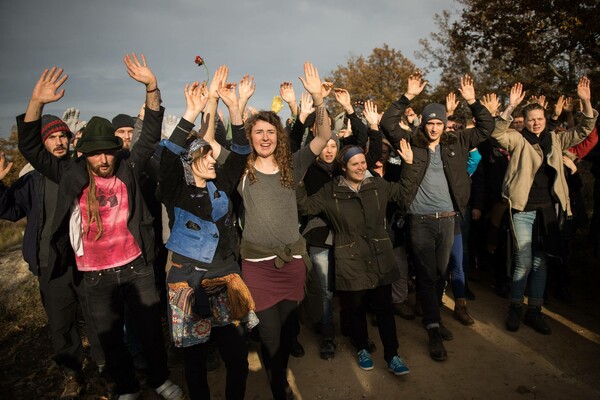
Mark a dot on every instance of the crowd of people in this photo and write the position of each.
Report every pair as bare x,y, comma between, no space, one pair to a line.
244,227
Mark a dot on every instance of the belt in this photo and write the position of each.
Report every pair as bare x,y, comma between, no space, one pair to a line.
129,265
437,215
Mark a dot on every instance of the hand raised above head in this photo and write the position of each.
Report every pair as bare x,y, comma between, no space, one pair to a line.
46,89
139,70
467,89
583,89
311,80
415,85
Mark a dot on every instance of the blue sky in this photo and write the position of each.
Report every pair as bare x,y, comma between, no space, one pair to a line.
267,39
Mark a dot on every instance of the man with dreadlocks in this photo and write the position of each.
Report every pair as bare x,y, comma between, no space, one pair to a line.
100,205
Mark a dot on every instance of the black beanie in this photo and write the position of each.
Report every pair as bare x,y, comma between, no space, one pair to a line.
123,121
434,111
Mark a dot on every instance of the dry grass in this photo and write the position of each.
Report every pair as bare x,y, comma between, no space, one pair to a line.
11,234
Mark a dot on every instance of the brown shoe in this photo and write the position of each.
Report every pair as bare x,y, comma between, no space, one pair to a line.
461,313
404,310
72,388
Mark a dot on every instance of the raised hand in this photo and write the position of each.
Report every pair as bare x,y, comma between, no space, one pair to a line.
326,88
371,115
451,104
558,107
405,152
415,85
568,104
286,91
583,89
219,80
311,81
4,167
343,97
46,90
516,95
306,106
246,87
467,89
491,102
196,97
140,70
227,93
71,118
541,100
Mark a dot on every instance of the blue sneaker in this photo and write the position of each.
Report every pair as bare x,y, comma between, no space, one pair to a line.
364,360
396,365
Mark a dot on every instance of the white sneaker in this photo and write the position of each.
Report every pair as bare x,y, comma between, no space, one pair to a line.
130,396
170,391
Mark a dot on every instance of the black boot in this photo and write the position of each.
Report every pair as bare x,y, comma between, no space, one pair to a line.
535,319
436,345
513,321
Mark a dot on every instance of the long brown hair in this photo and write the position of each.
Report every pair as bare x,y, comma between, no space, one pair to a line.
283,154
93,207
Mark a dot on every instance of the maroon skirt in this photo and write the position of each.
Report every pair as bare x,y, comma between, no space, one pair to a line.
270,285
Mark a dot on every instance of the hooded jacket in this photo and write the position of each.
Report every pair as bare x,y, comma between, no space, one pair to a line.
455,148
363,250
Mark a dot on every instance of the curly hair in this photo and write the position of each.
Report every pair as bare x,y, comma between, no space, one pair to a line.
282,155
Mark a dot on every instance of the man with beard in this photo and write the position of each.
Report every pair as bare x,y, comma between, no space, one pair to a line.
101,210
34,196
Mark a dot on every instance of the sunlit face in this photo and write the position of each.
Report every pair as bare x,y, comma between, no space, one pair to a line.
330,151
57,144
434,129
535,121
264,139
102,163
518,123
203,169
125,134
355,168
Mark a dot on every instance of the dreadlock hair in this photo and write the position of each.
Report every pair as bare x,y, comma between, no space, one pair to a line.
93,207
282,155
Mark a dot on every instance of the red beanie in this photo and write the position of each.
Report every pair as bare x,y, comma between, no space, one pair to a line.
52,124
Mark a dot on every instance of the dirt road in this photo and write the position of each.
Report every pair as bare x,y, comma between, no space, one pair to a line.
485,361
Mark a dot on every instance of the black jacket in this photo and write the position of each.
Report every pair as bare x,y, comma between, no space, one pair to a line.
25,198
455,148
72,178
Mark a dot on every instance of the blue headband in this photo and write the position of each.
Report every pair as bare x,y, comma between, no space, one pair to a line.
351,153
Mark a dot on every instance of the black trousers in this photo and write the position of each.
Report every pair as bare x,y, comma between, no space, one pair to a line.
431,243
61,297
277,329
379,301
233,347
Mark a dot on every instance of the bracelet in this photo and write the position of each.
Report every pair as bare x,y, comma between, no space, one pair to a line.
319,105
153,90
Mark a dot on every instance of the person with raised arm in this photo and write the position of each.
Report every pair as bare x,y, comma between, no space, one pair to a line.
535,186
101,214
207,296
274,256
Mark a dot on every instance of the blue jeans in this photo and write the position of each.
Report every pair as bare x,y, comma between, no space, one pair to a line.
321,259
431,241
455,267
108,293
527,262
